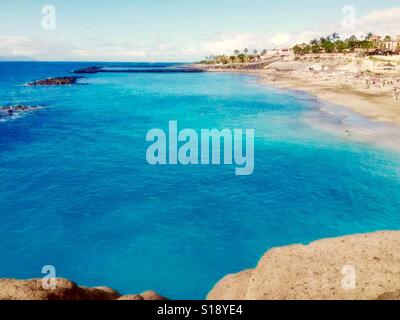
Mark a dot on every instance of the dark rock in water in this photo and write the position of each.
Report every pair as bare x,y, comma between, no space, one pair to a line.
171,69
11,110
93,69
61,81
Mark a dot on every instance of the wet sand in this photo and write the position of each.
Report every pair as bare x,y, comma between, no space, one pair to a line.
375,103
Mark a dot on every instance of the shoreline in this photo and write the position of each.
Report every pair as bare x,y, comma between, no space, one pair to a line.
347,109
376,104
347,112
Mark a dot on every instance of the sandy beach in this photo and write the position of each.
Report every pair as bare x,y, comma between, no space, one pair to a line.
377,103
341,80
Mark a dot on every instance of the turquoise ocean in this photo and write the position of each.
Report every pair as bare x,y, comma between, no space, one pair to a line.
76,191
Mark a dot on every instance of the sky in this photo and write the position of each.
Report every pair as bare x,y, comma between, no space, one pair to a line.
178,30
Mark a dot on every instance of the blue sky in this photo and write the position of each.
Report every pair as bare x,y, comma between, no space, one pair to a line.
177,30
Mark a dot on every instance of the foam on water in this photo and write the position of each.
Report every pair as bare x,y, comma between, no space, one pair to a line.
346,123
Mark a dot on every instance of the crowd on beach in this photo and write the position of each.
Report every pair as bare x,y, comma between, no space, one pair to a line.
378,82
363,81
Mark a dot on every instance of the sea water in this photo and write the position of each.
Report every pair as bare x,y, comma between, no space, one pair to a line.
77,193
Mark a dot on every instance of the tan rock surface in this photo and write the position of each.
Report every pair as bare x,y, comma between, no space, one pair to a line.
390,296
151,295
131,297
147,295
315,271
12,289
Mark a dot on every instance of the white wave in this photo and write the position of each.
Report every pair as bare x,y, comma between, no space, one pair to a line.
350,125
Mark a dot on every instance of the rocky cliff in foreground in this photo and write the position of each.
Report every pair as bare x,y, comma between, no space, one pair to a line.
365,266
12,289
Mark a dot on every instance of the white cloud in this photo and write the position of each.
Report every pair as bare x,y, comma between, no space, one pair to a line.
16,46
381,22
110,50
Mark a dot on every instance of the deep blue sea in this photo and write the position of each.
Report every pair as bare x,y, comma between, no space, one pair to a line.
77,193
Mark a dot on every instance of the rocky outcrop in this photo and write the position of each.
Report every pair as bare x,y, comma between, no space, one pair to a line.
170,69
148,295
93,69
365,266
12,289
11,110
357,267
60,81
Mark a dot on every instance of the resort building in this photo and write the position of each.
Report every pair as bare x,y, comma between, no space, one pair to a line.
281,52
376,40
390,44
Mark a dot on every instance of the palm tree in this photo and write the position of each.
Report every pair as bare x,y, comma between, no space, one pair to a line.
246,51
255,52
314,42
236,52
264,52
388,38
335,36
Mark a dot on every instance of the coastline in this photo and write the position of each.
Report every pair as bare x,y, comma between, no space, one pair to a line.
345,111
267,81
376,104
346,108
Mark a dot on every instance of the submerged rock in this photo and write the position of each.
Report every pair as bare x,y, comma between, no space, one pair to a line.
11,110
60,81
12,289
357,267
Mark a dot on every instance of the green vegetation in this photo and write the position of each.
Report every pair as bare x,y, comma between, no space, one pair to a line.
238,57
330,44
333,43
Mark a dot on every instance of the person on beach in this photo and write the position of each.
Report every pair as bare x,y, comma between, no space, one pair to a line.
396,93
